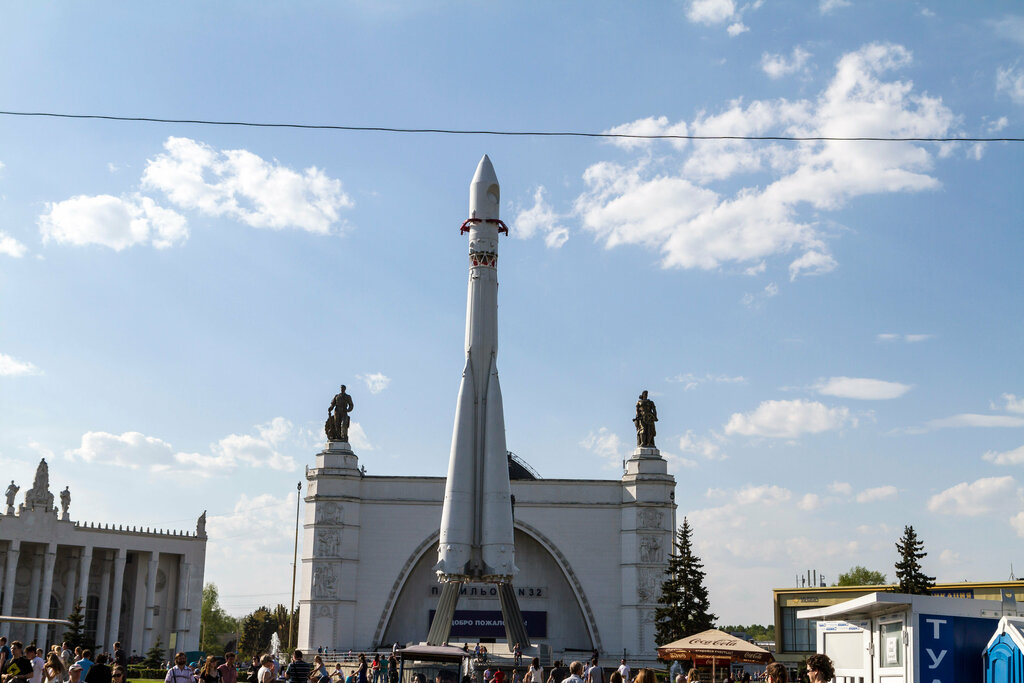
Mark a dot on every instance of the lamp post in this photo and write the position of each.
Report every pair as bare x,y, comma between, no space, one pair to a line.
295,559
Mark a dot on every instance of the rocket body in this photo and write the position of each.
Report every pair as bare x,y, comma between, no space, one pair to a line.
476,522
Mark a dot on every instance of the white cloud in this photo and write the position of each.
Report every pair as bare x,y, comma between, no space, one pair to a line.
980,497
137,451
710,11
877,493
788,419
691,381
841,488
908,338
976,420
708,447
1010,80
242,185
948,556
997,125
649,126
541,219
826,6
1014,457
755,270
754,300
376,382
1010,26
654,204
810,501
11,246
1013,404
132,450
737,28
763,494
778,65
812,262
358,439
606,444
115,222
1017,522
12,367
861,388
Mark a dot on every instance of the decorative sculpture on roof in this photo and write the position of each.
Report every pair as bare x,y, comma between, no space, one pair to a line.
337,423
65,502
12,491
39,495
201,525
646,416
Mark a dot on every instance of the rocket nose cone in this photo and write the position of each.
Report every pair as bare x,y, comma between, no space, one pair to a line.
484,191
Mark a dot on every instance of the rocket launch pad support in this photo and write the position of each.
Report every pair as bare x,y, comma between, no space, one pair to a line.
515,627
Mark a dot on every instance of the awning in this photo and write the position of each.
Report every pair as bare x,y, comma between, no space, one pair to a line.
715,646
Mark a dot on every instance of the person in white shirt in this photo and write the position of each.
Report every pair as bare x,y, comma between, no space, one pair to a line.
624,671
37,664
179,673
266,674
594,673
575,673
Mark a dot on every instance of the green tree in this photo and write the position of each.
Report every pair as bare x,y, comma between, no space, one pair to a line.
215,621
861,576
154,656
683,594
75,635
754,631
255,629
909,575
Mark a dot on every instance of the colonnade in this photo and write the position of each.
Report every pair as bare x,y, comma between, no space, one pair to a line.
81,562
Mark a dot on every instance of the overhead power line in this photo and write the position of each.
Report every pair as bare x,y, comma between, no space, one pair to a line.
511,133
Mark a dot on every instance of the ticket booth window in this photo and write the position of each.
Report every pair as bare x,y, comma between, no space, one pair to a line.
890,639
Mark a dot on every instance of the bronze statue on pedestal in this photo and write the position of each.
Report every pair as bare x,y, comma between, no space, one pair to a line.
646,416
338,420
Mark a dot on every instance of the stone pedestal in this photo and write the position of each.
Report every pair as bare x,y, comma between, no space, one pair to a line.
330,546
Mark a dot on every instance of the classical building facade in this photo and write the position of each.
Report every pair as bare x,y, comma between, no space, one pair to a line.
136,586
591,556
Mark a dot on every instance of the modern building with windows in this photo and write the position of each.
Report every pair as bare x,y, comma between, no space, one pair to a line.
796,638
137,586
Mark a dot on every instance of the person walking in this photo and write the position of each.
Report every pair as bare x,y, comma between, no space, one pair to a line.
266,670
54,671
179,673
298,670
820,669
228,672
98,672
535,674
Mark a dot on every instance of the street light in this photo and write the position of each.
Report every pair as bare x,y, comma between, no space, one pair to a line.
295,559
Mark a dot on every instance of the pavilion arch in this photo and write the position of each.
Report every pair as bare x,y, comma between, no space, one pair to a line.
541,562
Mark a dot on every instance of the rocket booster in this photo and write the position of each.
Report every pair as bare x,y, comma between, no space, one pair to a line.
476,521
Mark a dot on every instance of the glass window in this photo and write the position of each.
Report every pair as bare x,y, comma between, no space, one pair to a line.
798,635
891,638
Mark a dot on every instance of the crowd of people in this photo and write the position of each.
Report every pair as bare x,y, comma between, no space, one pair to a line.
60,664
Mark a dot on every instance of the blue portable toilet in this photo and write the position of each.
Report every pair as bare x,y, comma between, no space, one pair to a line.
1004,655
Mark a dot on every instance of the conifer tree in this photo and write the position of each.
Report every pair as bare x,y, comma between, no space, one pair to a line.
908,569
154,656
683,594
75,635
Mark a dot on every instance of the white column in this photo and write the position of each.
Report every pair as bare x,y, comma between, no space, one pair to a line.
101,618
29,630
11,568
84,567
115,605
69,586
147,636
47,590
182,599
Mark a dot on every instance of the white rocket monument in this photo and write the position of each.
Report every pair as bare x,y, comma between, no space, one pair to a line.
476,541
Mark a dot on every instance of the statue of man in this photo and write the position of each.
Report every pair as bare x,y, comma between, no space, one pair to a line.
65,501
12,491
646,416
338,422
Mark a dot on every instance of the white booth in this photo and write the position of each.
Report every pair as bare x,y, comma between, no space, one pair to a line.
899,638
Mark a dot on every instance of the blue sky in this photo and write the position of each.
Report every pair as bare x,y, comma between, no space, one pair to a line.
831,331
